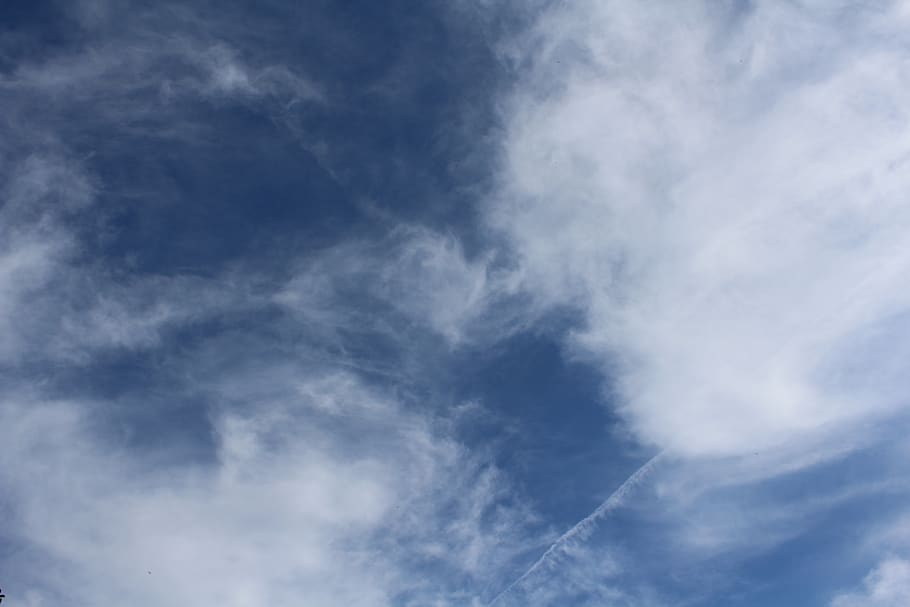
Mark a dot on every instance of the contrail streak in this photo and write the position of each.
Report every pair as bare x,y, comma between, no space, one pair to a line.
585,526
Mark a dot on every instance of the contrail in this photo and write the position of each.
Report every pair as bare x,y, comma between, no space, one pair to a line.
585,526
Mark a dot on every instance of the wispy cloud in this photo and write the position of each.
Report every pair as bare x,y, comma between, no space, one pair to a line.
316,474
711,195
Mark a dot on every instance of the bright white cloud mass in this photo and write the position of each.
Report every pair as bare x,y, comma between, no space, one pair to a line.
726,205
493,303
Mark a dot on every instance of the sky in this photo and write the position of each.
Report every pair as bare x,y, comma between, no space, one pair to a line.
463,303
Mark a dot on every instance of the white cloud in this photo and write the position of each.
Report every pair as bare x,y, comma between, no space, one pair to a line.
719,191
323,489
888,585
722,196
224,74
137,81
423,275
57,305
430,279
226,536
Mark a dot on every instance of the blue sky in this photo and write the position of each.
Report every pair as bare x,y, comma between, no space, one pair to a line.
461,303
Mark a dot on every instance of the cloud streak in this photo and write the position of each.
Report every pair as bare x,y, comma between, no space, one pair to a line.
583,528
